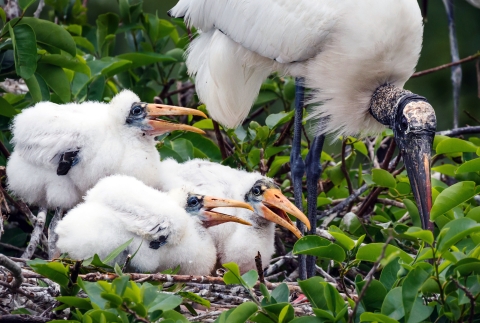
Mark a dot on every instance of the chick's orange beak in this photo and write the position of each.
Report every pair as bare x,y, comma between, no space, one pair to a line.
161,126
211,218
275,208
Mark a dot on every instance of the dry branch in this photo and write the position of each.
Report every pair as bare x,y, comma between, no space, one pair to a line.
14,269
36,234
444,66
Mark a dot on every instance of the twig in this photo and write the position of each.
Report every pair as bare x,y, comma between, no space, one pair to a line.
36,234
221,142
460,131
470,296
181,90
442,67
253,115
344,168
127,261
20,206
258,263
325,274
338,208
135,315
368,280
37,12
53,252
4,150
74,273
23,318
14,269
207,315
471,116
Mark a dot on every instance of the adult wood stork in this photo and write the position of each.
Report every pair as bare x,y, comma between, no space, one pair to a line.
61,151
355,56
236,243
168,229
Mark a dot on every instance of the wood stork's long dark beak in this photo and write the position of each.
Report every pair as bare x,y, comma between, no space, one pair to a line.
416,150
161,126
275,207
211,218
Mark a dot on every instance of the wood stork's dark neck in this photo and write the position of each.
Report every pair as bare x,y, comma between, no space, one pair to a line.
385,101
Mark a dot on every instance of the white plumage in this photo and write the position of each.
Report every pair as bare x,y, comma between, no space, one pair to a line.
82,143
235,243
475,3
120,208
345,50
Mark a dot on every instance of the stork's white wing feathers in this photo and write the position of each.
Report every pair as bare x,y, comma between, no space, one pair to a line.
265,27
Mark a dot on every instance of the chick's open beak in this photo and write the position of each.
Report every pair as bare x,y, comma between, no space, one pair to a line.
161,126
211,218
275,208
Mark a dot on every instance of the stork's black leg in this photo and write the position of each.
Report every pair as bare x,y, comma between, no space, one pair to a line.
52,236
297,165
456,70
314,171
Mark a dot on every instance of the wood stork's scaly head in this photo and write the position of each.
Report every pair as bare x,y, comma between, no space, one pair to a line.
129,110
269,202
413,122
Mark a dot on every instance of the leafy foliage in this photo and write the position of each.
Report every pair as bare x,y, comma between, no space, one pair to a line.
417,275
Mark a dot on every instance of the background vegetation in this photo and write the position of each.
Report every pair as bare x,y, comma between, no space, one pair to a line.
375,263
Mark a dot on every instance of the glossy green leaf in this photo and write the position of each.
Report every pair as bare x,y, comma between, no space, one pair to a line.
374,296
452,197
242,313
175,317
413,211
84,43
107,25
391,306
376,317
383,178
319,247
446,169
287,314
424,235
51,34
410,290
184,148
145,59
3,16
6,109
55,271
206,124
165,302
23,40
469,166
474,214
455,145
232,276
311,288
195,298
24,4
38,88
56,79
167,152
250,278
343,240
277,119
454,231
64,62
78,302
281,293
372,252
388,276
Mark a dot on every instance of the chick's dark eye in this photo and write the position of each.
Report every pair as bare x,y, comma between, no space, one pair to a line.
256,191
137,110
192,201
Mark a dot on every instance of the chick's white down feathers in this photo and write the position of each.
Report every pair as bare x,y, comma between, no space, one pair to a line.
106,144
234,242
120,208
339,47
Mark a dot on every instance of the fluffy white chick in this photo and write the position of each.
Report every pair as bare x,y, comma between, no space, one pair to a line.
235,243
61,151
168,229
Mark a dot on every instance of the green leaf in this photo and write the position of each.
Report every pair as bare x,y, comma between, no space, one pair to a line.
195,298
24,45
277,164
55,271
474,214
205,145
117,251
108,66
51,34
232,276
3,15
446,169
38,88
165,302
319,247
206,124
275,120
376,317
107,25
145,59
85,43
413,211
6,109
287,314
64,62
424,235
264,97
383,178
371,252
56,79
391,306
81,303
184,148
374,296
455,145
250,278
388,277
343,240
281,293
469,166
93,290
410,289
175,316
242,313
114,300
24,4
452,197
455,231
311,289
167,152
